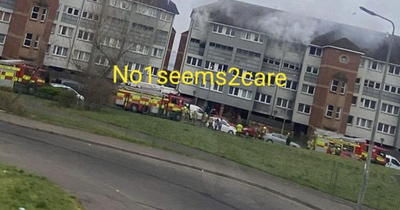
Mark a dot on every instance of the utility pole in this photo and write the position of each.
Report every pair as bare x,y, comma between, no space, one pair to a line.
364,183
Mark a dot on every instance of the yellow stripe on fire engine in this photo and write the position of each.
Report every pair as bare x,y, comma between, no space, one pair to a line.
10,74
9,68
2,77
26,77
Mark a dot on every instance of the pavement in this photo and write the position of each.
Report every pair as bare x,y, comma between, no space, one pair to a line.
220,167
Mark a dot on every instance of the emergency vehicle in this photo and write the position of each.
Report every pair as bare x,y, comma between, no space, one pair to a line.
19,75
333,143
152,100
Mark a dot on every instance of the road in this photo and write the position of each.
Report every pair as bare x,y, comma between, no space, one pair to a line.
107,179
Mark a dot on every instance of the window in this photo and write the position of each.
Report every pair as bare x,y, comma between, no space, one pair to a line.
369,104
135,66
165,17
343,88
102,60
44,14
53,28
224,30
354,101
158,52
315,51
358,80
291,85
289,65
308,89
388,129
392,89
66,31
334,85
215,87
215,66
375,65
112,42
221,47
141,49
312,70
304,108
145,10
246,94
364,123
390,109
154,71
194,61
71,11
284,103
395,70
28,40
5,16
362,62
90,16
85,36
35,12
36,43
81,55
2,38
372,84
329,111
263,98
141,27
272,61
338,112
60,51
252,37
248,53
350,120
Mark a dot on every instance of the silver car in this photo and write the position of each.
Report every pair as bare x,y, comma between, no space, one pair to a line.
278,138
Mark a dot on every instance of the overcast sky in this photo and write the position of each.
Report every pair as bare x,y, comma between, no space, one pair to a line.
342,11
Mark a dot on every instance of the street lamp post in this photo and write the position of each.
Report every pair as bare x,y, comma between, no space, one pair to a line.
375,122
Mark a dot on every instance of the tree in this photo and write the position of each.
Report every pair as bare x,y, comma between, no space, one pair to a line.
120,37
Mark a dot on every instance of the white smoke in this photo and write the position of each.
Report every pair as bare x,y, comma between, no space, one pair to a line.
279,24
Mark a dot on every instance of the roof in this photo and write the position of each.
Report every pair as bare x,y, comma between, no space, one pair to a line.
163,4
313,30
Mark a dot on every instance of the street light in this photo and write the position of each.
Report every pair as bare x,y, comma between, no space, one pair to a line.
375,123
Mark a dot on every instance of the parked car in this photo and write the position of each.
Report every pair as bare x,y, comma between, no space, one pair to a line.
78,95
249,131
226,127
278,138
392,162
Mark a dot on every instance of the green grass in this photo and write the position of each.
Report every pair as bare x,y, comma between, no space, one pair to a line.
327,173
334,175
21,189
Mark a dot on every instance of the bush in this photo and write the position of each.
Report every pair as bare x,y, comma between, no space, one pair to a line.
48,92
98,93
66,98
9,103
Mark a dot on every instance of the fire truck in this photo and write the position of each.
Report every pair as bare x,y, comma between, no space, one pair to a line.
151,99
20,76
333,143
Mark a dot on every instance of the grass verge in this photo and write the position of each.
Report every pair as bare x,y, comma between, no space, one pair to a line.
21,189
330,174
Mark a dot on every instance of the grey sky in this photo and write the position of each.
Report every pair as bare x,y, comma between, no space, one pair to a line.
342,11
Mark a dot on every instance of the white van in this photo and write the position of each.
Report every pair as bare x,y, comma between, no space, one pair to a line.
199,111
392,162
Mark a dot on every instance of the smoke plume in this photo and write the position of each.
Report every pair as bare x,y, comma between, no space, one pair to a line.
280,24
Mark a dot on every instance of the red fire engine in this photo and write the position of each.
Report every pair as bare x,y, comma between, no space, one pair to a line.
151,100
27,77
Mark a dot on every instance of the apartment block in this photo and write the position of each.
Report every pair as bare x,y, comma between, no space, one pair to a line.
332,81
25,27
95,35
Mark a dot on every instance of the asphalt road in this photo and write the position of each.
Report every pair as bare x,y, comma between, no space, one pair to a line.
106,179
